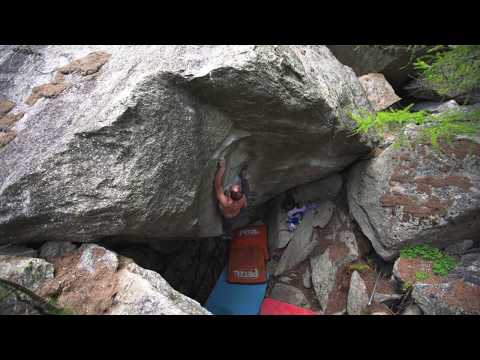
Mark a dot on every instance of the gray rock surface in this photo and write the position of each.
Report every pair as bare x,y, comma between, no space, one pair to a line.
25,271
123,140
357,295
459,248
307,279
145,292
300,247
379,92
458,293
395,65
289,294
321,190
323,214
410,196
278,234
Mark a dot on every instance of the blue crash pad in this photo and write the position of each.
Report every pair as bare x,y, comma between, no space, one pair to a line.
235,299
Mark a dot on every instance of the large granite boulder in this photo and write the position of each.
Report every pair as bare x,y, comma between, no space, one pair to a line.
395,64
418,194
123,141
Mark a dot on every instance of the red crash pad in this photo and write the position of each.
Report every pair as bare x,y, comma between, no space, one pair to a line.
251,236
276,307
246,265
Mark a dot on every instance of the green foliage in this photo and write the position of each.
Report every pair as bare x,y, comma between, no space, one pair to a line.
392,120
450,71
452,123
359,267
407,285
442,264
421,275
444,126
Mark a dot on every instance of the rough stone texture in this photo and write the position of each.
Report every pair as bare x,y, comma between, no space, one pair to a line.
145,292
405,270
323,214
45,91
94,280
53,249
87,65
337,247
456,294
459,248
7,137
329,272
31,273
307,279
395,65
289,294
419,195
357,295
6,106
321,190
7,121
379,92
452,298
131,150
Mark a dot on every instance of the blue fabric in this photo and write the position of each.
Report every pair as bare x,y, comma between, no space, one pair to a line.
235,299
295,215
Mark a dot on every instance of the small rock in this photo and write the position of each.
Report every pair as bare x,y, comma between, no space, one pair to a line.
285,279
289,294
412,310
53,249
357,295
300,247
307,279
379,92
